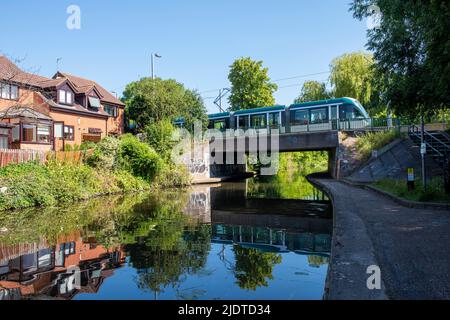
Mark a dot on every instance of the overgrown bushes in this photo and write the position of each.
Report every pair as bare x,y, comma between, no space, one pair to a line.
31,184
115,165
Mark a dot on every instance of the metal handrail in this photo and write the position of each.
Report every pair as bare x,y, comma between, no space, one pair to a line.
417,130
414,130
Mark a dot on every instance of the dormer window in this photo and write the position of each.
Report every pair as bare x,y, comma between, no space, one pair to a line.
94,103
65,97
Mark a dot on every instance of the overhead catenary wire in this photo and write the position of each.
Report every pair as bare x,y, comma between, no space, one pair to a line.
279,80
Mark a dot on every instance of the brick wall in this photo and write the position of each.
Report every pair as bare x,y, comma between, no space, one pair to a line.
80,123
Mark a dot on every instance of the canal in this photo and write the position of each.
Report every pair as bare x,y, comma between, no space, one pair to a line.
258,239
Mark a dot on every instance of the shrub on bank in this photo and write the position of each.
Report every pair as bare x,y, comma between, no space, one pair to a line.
160,136
32,184
374,141
138,157
104,155
171,175
126,153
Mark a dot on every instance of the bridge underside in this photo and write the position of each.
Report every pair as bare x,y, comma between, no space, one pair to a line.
227,154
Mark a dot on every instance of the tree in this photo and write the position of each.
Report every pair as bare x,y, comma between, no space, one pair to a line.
411,50
312,91
151,100
253,267
352,76
250,85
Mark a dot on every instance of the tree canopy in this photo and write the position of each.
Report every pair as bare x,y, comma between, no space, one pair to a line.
412,52
250,85
312,91
352,76
152,100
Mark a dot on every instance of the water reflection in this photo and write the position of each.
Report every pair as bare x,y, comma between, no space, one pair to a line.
211,242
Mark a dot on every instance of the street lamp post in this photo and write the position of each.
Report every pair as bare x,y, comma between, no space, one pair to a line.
154,55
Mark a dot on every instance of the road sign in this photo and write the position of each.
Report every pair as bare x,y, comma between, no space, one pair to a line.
423,148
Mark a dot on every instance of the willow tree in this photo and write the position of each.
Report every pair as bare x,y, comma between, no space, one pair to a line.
352,76
250,85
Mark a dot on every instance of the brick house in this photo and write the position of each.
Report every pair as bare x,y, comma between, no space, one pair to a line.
42,113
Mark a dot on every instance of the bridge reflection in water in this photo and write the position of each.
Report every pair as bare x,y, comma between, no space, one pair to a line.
273,240
300,226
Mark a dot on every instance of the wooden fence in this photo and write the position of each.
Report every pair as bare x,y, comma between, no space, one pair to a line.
12,156
75,157
9,156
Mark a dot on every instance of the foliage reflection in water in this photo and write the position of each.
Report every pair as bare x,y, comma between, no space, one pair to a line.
211,242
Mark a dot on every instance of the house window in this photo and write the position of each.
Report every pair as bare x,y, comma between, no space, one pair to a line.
9,91
111,110
4,138
28,133
36,133
65,97
43,134
16,134
69,133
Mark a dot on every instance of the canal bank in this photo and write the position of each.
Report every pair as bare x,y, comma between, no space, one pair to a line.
409,245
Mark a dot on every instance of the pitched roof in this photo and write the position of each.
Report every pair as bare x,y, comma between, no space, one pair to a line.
24,112
11,72
85,85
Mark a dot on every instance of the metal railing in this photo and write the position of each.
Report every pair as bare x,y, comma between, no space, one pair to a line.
361,124
417,132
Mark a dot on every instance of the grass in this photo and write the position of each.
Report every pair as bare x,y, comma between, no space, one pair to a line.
370,141
435,190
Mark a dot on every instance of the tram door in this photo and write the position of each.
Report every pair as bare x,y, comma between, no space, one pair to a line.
334,118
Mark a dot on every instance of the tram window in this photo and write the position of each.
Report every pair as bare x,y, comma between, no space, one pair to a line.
220,124
283,118
274,119
243,122
258,121
358,114
299,117
348,111
334,112
319,115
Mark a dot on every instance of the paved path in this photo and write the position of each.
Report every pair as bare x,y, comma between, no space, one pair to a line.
411,247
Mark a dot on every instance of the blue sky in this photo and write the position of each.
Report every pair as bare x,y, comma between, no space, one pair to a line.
198,39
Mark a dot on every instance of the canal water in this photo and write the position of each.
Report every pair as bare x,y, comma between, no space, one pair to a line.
258,239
